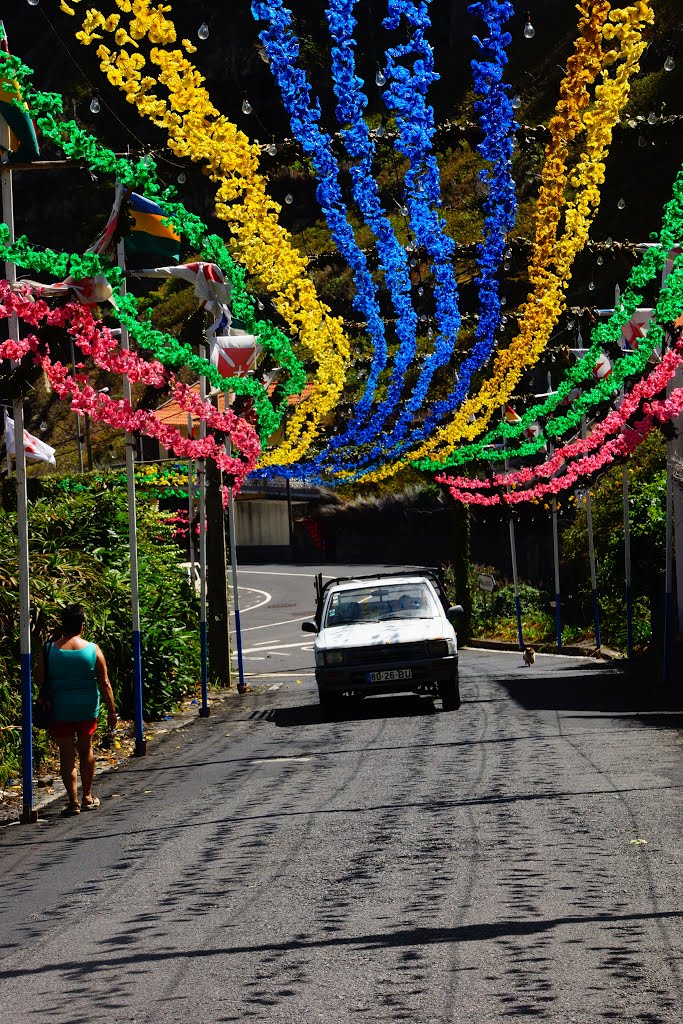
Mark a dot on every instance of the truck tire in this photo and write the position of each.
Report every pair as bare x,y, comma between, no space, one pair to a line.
449,691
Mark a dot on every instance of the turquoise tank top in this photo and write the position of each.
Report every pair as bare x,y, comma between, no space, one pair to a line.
73,683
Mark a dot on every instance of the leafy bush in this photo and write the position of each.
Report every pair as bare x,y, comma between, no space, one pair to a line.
79,552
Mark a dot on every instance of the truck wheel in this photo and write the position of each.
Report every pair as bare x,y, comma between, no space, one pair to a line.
449,691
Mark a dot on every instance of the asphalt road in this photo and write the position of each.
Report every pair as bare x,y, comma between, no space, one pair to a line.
517,859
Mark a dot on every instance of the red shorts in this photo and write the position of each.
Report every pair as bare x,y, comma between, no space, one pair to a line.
66,730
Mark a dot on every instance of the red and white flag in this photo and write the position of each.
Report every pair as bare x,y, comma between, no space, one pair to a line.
34,448
235,354
635,330
603,367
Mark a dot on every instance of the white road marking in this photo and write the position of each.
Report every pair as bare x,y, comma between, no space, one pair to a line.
275,646
275,686
285,622
306,575
252,607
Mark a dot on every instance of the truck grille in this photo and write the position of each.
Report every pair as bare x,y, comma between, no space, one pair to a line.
387,654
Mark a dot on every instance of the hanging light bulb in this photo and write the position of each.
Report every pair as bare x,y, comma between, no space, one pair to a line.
246,106
33,3
289,199
271,149
506,265
621,203
591,286
430,332
420,291
503,301
642,141
413,262
380,80
608,241
669,64
529,30
508,254
203,31
259,304
515,102
182,178
94,102
380,132
600,260
652,117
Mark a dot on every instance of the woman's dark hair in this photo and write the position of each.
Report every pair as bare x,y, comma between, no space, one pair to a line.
73,617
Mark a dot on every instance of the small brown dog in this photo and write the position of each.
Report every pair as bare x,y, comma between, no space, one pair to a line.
529,656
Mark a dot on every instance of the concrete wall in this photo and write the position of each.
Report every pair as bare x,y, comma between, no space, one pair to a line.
261,524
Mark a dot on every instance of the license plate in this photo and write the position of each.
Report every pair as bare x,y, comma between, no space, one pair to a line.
390,675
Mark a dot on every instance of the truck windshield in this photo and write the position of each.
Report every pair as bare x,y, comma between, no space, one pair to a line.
380,603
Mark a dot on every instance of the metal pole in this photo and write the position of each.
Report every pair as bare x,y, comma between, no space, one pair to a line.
203,635
241,685
627,564
591,555
79,442
28,814
556,558
190,502
140,744
513,554
668,574
88,444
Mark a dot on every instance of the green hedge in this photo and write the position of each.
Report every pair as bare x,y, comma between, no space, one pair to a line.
79,552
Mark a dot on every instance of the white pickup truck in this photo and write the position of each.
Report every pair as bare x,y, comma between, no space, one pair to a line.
388,633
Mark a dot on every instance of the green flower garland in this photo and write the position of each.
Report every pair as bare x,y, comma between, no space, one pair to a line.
651,263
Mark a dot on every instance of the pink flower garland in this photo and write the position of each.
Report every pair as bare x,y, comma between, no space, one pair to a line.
619,446
99,343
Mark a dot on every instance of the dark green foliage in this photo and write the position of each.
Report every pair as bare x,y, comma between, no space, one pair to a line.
79,552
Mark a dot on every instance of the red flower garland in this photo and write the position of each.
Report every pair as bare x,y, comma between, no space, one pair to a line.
97,341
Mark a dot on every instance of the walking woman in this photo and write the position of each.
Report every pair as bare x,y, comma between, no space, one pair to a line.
74,673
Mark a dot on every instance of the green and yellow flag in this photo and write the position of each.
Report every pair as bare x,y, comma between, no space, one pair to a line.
19,134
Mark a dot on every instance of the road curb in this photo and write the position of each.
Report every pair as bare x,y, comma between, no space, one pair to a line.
604,654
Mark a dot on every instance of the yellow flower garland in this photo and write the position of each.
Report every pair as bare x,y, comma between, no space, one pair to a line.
196,129
552,259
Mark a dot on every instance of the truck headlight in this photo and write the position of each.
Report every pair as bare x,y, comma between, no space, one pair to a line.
333,657
438,649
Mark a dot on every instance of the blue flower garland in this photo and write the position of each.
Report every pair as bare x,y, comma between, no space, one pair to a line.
496,117
282,50
360,146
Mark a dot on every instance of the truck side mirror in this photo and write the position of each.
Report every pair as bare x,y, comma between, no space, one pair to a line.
309,627
455,614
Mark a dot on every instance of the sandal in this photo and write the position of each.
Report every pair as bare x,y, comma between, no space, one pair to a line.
90,805
70,810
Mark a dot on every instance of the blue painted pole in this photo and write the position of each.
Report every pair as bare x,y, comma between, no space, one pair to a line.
556,560
204,710
140,744
668,574
241,685
591,557
28,814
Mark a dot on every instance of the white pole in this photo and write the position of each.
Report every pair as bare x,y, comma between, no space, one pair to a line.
203,635
28,813
190,502
513,555
591,555
627,563
241,685
140,744
668,564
